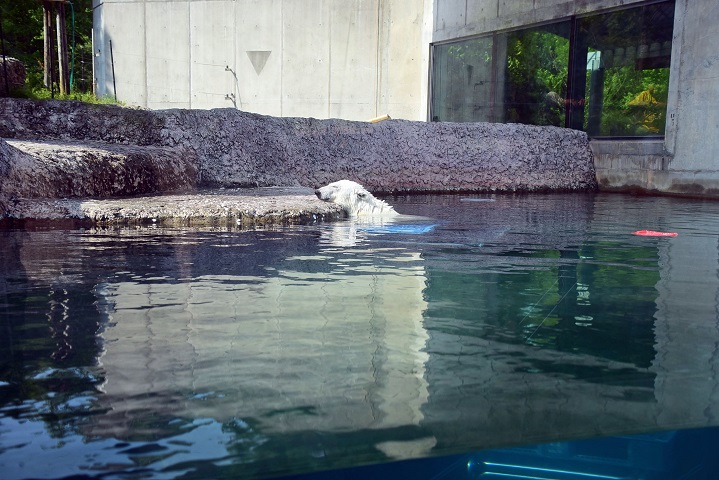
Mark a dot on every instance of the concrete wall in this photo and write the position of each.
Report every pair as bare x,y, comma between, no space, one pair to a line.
686,161
693,111
461,18
350,59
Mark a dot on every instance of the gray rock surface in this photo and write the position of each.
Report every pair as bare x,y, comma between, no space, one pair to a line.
222,208
74,150
12,74
91,169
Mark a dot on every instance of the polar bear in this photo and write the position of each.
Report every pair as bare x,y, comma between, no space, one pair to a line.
354,199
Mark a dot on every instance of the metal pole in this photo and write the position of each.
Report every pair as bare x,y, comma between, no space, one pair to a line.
112,63
94,80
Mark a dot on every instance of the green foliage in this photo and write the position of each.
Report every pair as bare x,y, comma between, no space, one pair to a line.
633,98
22,31
537,69
22,28
44,93
539,57
475,52
623,111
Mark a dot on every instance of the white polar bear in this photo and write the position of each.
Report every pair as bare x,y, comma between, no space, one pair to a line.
354,199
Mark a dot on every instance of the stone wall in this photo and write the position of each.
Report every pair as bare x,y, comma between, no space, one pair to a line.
230,148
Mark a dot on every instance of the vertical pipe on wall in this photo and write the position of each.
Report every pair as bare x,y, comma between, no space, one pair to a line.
92,49
112,63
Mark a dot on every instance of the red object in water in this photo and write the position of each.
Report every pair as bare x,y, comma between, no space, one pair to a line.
652,233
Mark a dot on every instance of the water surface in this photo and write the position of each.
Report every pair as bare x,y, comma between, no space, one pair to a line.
491,321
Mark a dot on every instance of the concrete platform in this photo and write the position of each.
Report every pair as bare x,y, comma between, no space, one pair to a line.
242,207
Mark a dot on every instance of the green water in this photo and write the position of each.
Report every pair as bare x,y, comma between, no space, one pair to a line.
489,321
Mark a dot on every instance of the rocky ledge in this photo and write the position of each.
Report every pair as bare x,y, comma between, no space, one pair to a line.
244,207
109,164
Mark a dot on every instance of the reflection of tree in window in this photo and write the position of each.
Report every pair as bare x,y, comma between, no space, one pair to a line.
537,67
635,49
634,101
618,85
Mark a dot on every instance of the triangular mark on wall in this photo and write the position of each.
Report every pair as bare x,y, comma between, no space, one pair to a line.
258,59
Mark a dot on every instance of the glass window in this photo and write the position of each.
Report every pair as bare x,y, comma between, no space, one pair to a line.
537,63
627,54
462,79
607,74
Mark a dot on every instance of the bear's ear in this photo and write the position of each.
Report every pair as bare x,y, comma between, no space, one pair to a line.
361,194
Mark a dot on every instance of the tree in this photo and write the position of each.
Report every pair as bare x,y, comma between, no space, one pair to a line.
22,27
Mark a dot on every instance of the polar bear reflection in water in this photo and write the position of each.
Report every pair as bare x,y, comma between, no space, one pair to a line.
330,339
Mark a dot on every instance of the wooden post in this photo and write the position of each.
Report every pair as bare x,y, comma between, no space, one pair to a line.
62,60
47,38
56,9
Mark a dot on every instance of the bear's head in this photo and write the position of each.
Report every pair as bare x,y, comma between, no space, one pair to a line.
342,192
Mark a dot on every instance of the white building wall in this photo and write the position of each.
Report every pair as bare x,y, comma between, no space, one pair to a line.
404,59
119,47
167,54
351,59
305,59
259,56
212,49
354,49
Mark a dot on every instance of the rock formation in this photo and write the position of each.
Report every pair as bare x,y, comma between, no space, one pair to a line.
72,149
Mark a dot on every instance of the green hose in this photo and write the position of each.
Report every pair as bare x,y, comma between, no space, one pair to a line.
72,55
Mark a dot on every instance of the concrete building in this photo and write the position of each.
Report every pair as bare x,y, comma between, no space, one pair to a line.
353,59
557,62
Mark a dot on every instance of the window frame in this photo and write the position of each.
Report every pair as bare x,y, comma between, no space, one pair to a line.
577,84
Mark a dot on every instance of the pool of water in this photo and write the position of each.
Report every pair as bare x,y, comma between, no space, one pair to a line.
485,322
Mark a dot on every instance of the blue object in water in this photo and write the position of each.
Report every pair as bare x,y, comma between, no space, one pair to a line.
407,229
